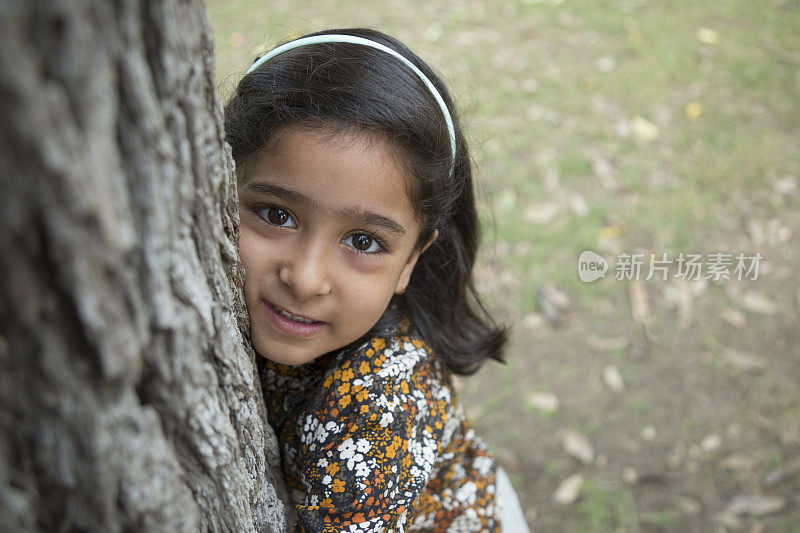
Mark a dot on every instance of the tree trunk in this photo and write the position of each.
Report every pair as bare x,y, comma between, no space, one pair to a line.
129,399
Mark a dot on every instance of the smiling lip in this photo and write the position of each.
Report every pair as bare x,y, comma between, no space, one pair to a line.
289,325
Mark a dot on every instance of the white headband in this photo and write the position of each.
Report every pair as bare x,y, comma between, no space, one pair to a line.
352,39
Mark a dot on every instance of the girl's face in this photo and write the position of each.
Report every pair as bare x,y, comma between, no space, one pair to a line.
327,237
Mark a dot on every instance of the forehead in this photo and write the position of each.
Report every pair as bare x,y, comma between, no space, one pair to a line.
336,170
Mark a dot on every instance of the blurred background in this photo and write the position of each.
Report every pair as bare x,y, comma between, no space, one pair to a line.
619,127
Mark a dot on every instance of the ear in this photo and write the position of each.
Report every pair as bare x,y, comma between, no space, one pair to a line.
405,275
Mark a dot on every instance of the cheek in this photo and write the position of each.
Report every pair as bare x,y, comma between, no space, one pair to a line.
369,296
246,248
252,257
372,281
367,267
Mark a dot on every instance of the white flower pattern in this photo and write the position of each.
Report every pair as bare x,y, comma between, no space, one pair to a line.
374,440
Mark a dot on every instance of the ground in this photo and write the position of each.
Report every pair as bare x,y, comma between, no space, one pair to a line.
621,127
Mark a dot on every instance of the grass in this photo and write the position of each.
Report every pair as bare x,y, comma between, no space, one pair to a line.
548,88
659,66
666,520
611,509
641,407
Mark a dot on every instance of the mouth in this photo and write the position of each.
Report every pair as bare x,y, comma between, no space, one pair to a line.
291,323
292,316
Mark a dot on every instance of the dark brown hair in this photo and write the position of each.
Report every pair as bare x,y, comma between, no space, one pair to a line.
343,87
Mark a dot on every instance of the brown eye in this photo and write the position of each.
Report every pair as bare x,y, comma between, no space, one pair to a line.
365,243
276,216
362,242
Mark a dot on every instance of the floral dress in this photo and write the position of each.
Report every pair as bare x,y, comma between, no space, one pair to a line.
373,439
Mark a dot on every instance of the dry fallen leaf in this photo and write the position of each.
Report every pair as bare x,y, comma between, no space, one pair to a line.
728,520
613,378
604,170
540,213
558,297
577,445
737,463
785,185
606,344
745,361
533,321
689,505
677,456
681,294
707,35
734,317
778,232
755,504
756,232
530,85
756,302
693,110
608,233
711,443
578,205
630,476
637,293
782,473
606,64
569,489
644,129
544,401
553,303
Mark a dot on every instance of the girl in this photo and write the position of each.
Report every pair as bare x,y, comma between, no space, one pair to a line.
358,237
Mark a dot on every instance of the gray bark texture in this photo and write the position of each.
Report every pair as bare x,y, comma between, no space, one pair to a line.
129,398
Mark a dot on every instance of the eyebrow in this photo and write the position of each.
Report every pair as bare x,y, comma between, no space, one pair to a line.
284,194
374,219
355,213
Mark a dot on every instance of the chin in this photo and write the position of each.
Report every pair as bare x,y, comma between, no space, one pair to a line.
288,357
287,361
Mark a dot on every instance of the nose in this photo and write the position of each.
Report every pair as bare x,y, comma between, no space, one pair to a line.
305,271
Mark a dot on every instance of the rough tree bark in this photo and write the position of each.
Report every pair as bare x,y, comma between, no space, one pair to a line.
128,400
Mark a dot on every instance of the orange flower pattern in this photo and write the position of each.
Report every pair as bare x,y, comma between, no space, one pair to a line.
373,439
